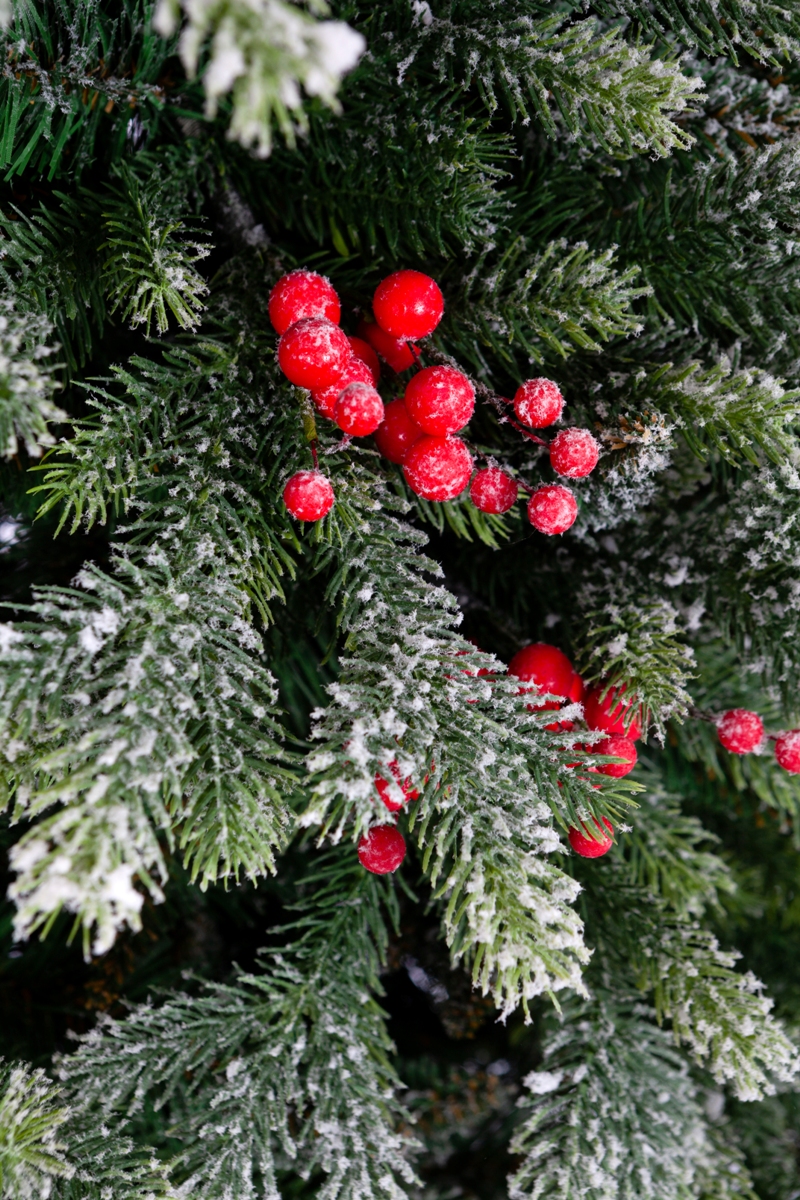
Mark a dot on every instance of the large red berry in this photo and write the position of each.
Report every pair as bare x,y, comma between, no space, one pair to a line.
740,730
390,793
492,491
359,410
382,849
366,354
574,453
308,495
787,751
611,714
398,433
438,468
587,846
538,403
408,304
551,671
619,747
302,294
397,352
325,399
314,353
440,399
552,509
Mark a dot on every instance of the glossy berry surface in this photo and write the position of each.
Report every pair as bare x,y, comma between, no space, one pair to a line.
364,352
308,495
299,295
787,751
382,849
611,714
397,433
538,403
574,453
325,399
397,352
740,730
408,304
552,509
314,353
551,671
397,792
619,747
440,399
587,846
438,468
359,410
492,491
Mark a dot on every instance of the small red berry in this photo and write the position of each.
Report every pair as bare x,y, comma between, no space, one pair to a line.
359,410
552,509
574,453
302,294
397,352
398,433
538,403
405,786
787,751
619,747
325,399
314,353
740,730
438,468
363,351
552,673
382,849
440,399
408,304
492,491
308,495
611,714
587,846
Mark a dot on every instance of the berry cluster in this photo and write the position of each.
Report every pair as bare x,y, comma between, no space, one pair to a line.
742,731
418,430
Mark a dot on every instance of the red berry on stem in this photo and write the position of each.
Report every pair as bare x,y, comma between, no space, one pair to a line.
397,352
314,353
398,433
574,453
538,403
408,304
359,410
492,491
587,846
620,747
740,730
302,294
787,751
406,787
308,495
440,399
552,509
438,468
325,399
611,714
363,351
382,849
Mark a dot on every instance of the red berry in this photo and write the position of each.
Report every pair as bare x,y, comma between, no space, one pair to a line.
440,399
538,403
314,353
382,849
325,399
587,846
552,509
408,304
405,786
308,495
787,751
398,353
398,433
620,747
359,410
740,730
611,714
492,491
552,672
438,468
363,351
574,453
302,294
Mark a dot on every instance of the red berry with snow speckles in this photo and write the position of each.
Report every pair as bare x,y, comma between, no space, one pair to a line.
397,433
538,403
787,751
397,352
308,495
438,468
408,304
390,793
314,353
325,399
619,747
359,410
364,352
492,491
587,846
440,399
382,849
574,453
552,509
611,714
299,295
740,730
552,672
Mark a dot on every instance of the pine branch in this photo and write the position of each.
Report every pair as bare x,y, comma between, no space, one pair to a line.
31,1145
766,30
26,391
